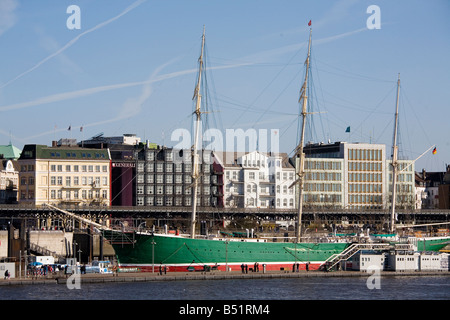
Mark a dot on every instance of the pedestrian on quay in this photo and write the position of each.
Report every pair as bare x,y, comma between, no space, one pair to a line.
307,266
7,275
242,268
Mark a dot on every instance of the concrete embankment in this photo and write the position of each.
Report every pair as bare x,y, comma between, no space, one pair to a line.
186,276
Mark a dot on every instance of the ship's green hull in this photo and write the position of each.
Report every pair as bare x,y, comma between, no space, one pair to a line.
176,253
432,244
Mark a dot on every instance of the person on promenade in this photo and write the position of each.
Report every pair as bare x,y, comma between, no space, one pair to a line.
7,275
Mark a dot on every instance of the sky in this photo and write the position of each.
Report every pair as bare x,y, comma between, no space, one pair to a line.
130,66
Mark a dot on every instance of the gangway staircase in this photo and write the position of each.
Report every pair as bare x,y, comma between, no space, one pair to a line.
334,259
35,248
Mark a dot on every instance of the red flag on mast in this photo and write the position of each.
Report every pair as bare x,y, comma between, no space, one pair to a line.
309,23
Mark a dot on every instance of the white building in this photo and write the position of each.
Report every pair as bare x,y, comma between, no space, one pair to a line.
353,176
363,261
257,180
9,181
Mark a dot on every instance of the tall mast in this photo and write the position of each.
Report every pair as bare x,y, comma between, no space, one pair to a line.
394,160
300,154
195,170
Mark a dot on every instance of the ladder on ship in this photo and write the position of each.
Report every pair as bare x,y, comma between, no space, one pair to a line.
336,258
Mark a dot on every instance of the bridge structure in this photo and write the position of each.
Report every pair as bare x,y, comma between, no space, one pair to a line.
138,215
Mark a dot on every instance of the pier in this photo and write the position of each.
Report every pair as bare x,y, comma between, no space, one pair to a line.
217,275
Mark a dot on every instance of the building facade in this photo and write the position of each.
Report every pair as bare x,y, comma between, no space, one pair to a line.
9,181
353,176
257,180
64,175
164,178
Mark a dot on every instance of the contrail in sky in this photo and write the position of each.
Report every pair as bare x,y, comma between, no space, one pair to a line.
73,41
86,92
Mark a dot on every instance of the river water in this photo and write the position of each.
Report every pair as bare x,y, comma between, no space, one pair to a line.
358,288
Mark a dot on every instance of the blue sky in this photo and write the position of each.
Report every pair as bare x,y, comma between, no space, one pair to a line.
131,68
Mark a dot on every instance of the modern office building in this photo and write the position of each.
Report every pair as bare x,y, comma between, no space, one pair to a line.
353,176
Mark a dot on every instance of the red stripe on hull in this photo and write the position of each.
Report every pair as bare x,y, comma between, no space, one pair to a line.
232,267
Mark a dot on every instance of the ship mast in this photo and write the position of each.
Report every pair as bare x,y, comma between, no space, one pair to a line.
195,170
395,160
299,153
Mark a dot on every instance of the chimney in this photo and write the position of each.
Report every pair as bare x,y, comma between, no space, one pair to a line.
54,144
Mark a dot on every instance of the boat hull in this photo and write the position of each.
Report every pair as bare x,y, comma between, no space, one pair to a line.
175,253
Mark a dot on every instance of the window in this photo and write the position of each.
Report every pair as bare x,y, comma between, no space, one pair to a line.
60,181
75,168
105,181
105,194
68,168
68,181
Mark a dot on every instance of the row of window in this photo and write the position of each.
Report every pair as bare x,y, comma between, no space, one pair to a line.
323,198
206,190
74,155
170,167
365,154
365,177
180,155
365,188
365,166
365,199
172,201
68,195
322,187
76,168
75,195
169,178
323,176
322,165
236,175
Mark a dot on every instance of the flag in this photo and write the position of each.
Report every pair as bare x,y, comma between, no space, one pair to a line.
309,23
434,150
348,129
81,129
70,128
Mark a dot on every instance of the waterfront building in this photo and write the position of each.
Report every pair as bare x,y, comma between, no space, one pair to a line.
123,151
257,180
405,184
432,181
9,181
353,176
164,178
64,175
